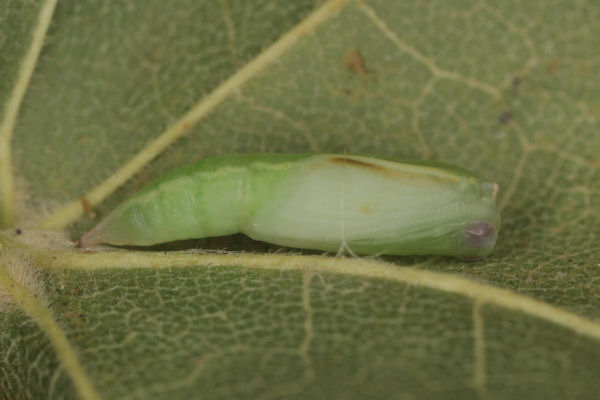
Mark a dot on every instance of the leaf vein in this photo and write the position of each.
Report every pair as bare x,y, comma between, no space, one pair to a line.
341,266
426,61
11,111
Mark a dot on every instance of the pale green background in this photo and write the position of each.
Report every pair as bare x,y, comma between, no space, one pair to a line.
114,75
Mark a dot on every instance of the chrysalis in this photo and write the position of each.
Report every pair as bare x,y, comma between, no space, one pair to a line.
327,202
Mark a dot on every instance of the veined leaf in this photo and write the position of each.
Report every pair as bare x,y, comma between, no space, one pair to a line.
122,92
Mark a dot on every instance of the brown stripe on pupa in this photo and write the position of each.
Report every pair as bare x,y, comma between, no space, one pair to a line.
359,163
379,169
382,170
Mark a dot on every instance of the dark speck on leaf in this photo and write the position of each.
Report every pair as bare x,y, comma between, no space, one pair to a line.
552,66
516,82
355,61
505,117
18,231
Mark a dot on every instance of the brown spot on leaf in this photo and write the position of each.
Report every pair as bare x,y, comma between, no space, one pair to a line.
552,66
85,203
516,82
355,61
505,117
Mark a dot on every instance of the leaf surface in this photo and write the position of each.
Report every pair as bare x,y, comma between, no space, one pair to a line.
509,90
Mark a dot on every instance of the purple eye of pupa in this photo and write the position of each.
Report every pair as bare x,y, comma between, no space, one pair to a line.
479,234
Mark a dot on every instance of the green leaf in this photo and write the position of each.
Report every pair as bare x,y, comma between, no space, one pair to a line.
123,92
